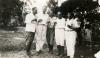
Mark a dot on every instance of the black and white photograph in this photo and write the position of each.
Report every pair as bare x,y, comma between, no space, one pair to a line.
49,28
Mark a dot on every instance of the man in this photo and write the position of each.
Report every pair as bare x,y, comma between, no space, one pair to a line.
41,32
70,35
60,34
42,18
30,21
50,34
88,33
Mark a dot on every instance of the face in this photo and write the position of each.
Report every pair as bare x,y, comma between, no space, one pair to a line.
34,10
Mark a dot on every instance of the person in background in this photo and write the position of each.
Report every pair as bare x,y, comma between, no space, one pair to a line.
30,28
88,33
70,35
60,34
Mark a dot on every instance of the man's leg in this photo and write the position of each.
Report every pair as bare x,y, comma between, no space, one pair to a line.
29,41
57,39
50,39
58,50
43,36
38,39
70,43
62,36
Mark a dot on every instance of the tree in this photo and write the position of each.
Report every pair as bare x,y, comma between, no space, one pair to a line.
10,8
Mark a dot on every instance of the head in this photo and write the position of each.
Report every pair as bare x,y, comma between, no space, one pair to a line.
45,9
34,10
69,16
59,15
29,10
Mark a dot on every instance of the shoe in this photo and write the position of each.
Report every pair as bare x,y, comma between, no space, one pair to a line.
61,56
57,54
38,53
68,56
58,48
51,52
50,49
28,53
62,51
65,57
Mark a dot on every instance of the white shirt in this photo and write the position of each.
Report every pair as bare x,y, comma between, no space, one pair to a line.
68,22
44,18
60,23
72,22
76,23
30,26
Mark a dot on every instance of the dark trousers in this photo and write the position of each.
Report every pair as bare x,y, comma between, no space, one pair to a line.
29,40
50,38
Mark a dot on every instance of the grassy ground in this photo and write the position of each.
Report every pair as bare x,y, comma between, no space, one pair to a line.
12,45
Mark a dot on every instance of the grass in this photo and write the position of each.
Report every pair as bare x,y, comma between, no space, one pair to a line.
12,45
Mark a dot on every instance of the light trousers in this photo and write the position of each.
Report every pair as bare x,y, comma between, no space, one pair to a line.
40,36
59,36
70,37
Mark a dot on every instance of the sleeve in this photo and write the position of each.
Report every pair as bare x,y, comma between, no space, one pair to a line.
69,22
29,18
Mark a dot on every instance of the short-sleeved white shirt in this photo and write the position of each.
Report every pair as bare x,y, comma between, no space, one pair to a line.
60,23
30,27
44,18
72,22
68,22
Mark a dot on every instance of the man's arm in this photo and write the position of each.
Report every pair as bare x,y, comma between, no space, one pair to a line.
71,27
40,20
34,20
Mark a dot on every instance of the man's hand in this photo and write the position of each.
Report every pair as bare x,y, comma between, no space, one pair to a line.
33,20
55,23
72,27
69,26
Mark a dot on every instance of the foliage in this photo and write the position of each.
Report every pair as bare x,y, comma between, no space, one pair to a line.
10,8
13,8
